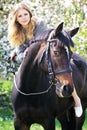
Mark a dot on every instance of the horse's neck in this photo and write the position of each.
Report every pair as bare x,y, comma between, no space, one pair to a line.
31,79
79,62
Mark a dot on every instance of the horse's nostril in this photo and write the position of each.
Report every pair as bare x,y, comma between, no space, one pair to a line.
67,90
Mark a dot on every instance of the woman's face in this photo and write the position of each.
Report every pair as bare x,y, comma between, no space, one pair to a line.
23,17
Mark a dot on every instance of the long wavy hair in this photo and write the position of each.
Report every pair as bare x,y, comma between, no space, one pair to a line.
16,34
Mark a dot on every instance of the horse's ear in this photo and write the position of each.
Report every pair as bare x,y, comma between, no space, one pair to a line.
59,28
73,32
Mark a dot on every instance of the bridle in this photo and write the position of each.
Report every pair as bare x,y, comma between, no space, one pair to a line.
50,71
52,74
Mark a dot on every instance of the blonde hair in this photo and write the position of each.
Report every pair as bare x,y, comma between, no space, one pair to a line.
16,33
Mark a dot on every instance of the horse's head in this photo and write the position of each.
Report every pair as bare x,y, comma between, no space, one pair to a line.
55,60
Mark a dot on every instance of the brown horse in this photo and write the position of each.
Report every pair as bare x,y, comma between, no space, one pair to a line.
48,72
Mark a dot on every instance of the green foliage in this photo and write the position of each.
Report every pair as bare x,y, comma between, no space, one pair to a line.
6,114
6,125
5,95
5,86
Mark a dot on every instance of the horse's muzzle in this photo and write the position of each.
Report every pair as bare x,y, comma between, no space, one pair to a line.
64,90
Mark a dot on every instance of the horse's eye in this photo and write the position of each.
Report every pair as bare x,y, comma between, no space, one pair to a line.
57,53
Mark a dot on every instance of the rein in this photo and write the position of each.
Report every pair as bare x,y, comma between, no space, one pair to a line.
31,94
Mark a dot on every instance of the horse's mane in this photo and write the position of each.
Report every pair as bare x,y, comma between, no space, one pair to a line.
43,35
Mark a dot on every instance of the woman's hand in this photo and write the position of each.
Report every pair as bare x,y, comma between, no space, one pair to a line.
12,56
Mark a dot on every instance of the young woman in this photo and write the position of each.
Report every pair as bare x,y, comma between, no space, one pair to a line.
23,27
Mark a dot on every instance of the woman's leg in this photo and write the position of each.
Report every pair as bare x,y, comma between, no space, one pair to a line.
78,106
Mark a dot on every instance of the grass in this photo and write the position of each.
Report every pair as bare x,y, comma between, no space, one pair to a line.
8,125
6,122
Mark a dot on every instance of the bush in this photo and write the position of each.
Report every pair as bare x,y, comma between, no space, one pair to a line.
5,94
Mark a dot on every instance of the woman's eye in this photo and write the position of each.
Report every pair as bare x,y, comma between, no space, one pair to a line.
20,16
26,14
